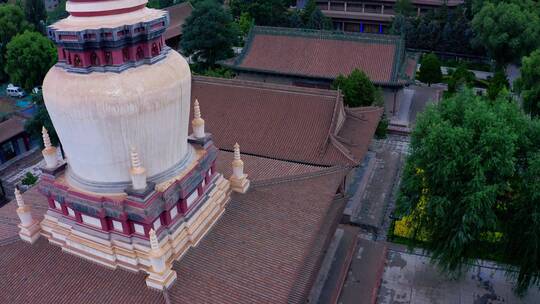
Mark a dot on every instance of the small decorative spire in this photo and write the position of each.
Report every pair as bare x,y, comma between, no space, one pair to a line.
154,243
29,229
137,171
239,181
196,110
197,123
135,161
236,151
46,139
49,152
19,198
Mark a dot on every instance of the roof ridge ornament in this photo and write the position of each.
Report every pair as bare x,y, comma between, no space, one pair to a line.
239,181
197,123
49,152
137,171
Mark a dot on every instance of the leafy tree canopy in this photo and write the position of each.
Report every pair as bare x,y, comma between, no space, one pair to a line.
357,88
318,21
245,23
430,69
29,57
404,7
36,14
460,78
12,22
507,29
497,84
529,83
41,119
58,13
264,12
475,166
440,30
209,34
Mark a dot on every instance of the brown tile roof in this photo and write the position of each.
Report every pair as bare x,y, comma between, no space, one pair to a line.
261,169
11,127
42,273
178,15
320,54
281,122
267,246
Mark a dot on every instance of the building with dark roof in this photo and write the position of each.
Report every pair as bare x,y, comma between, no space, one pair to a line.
178,15
13,139
370,16
315,58
266,248
296,124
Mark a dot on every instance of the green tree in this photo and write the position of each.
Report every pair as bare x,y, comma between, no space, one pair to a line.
245,23
307,11
29,179
58,13
41,119
404,7
528,85
472,181
12,22
35,13
507,29
264,12
460,78
29,57
208,34
430,69
497,84
357,89
318,21
295,19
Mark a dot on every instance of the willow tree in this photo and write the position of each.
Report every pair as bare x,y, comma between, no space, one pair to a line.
472,181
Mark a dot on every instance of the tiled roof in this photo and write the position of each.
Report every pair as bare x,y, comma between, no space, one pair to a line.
42,273
321,54
11,127
266,248
178,15
282,122
261,169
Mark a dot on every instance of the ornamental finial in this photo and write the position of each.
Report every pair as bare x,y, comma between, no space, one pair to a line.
19,198
154,243
135,161
236,151
46,139
196,110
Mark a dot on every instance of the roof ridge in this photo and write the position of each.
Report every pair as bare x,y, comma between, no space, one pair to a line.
325,34
265,85
299,177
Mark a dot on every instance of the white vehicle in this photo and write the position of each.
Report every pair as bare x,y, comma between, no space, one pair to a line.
15,91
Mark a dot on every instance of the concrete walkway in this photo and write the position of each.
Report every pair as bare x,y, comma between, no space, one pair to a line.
410,278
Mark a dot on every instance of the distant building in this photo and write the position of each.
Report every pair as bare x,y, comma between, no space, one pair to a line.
314,58
177,15
14,140
370,16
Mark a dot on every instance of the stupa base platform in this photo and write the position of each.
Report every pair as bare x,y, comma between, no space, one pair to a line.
133,252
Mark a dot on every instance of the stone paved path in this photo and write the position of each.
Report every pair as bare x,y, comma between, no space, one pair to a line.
410,278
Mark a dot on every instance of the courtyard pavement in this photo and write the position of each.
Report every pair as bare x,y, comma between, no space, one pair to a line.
410,278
